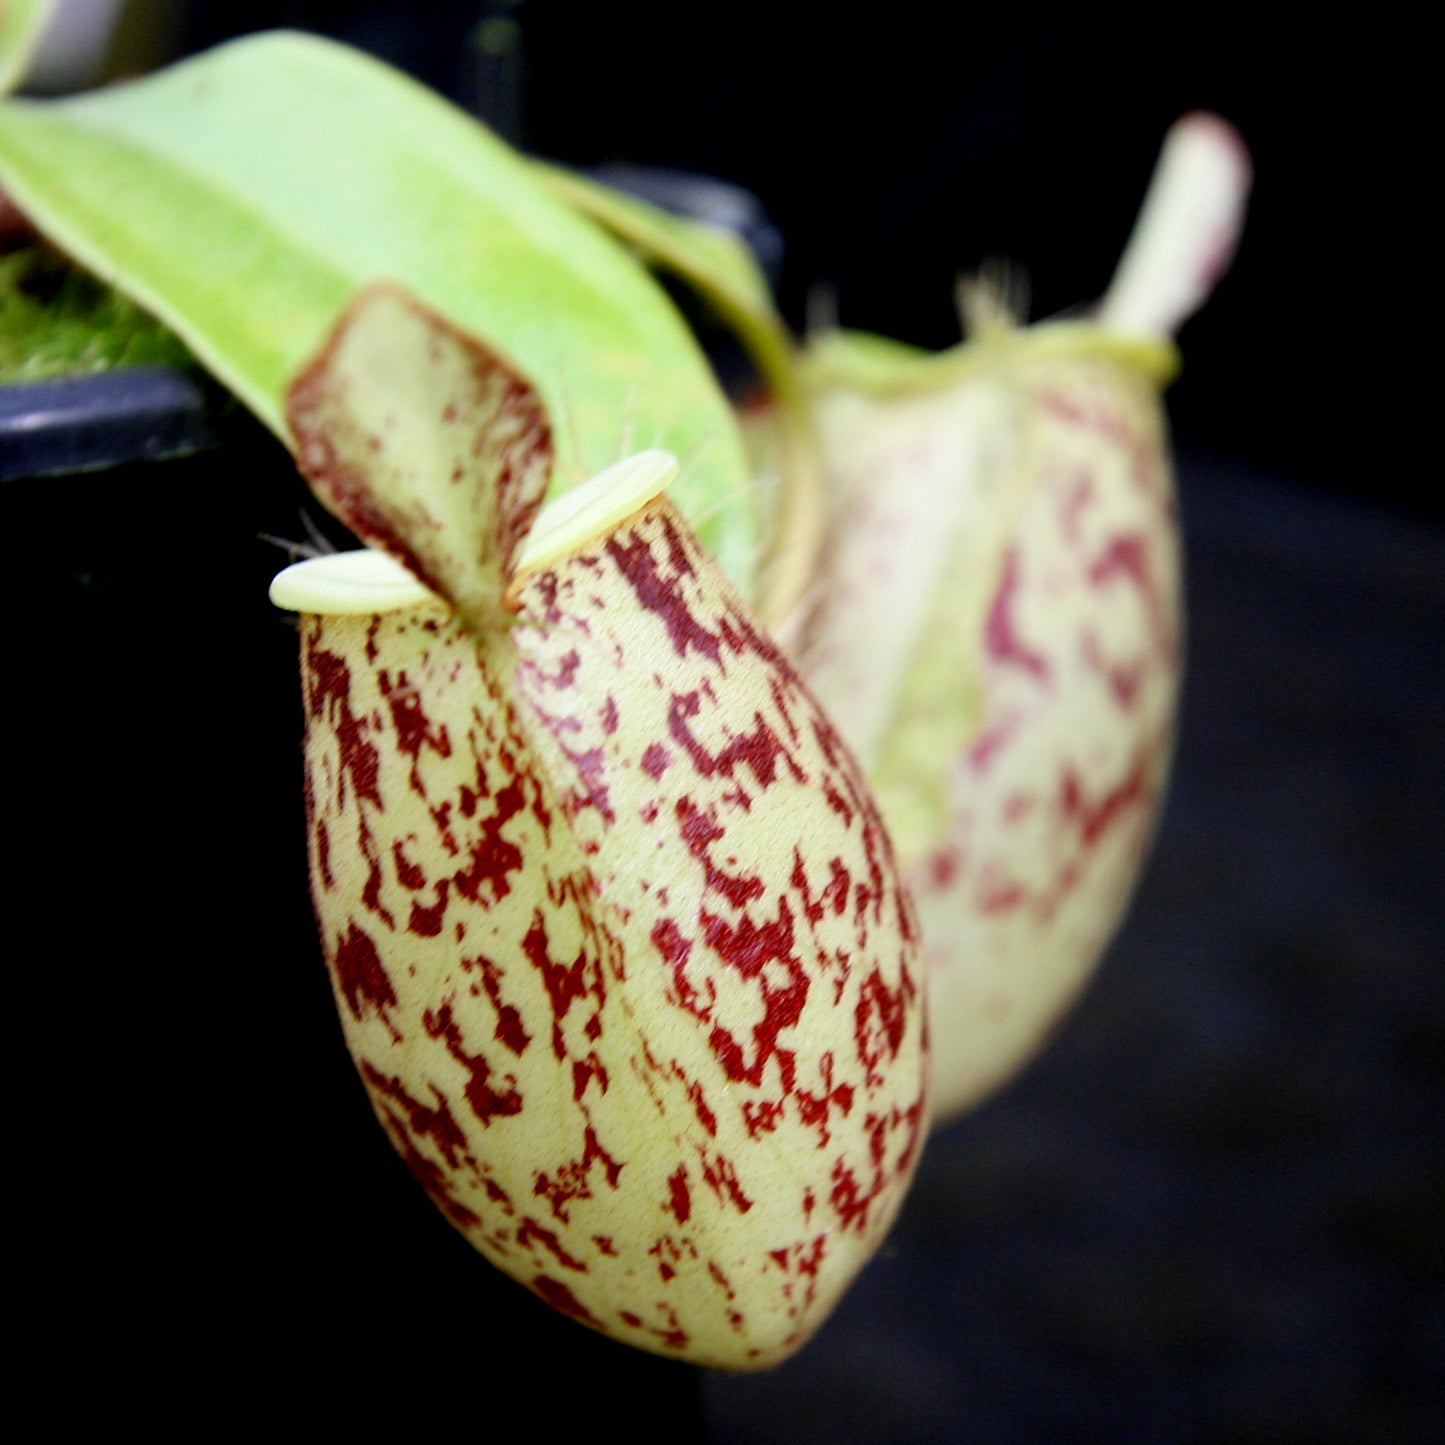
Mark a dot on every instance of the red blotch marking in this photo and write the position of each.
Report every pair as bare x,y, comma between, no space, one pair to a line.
428,1173
808,1264
529,1231
591,768
991,743
1124,680
1000,634
826,736
668,1254
371,893
1094,819
1127,556
834,897
373,629
1075,502
879,1023
328,691
562,1299
760,750
761,1116
910,1119
794,1260
429,1121
749,947
998,893
487,1103
574,1180
323,854
695,1093
408,873
679,1200
850,1201
566,675
721,1176
698,830
662,594
675,949
427,922
491,859
497,1195
413,729
837,802
655,760
583,1072
605,1245
672,1336
816,1110
362,978
510,1030
944,867
565,982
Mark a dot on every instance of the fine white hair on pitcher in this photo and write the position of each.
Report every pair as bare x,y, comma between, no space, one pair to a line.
625,447
318,544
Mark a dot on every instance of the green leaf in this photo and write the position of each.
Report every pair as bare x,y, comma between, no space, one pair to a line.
246,195
21,24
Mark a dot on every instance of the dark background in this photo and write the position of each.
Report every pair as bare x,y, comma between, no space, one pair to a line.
899,145
1212,1212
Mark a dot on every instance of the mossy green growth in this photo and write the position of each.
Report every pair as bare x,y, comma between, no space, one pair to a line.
57,321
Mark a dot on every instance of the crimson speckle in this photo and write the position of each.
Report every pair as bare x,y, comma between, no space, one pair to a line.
428,1174
679,1201
432,1121
699,831
328,691
663,594
492,859
881,1018
408,874
561,1298
1000,635
361,977
487,1102
529,1231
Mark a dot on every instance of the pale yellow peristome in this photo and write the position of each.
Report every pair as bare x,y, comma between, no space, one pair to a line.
362,583
368,582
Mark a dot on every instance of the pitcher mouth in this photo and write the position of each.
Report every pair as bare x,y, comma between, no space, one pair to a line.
368,582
